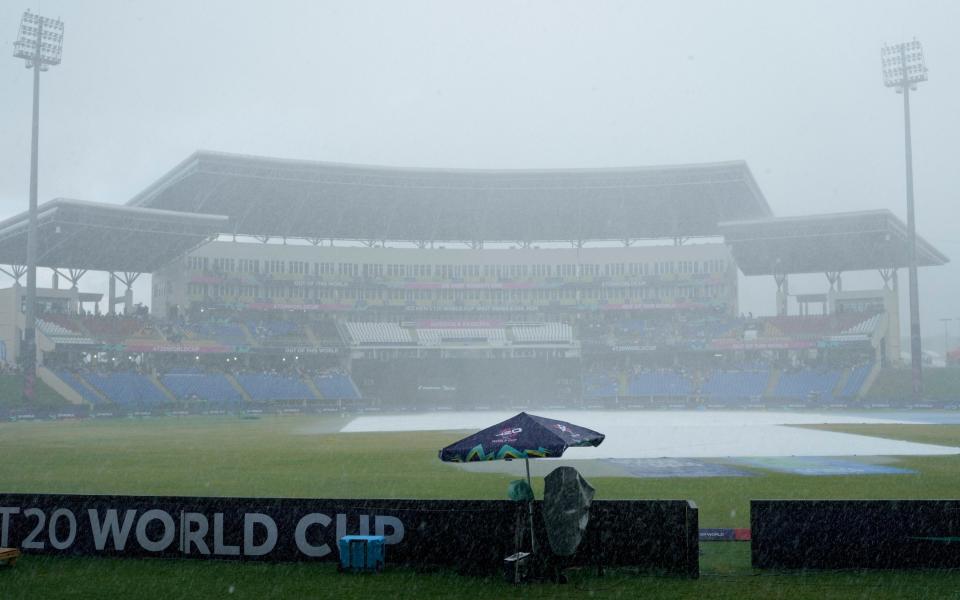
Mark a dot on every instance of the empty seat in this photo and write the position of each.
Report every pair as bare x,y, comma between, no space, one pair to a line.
379,333
800,384
659,383
546,333
127,388
336,386
74,382
735,384
269,386
202,386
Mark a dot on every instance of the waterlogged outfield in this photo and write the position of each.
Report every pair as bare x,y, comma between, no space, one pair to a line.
268,457
211,456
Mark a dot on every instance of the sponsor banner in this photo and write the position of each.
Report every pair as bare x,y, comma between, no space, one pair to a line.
429,532
33,414
633,348
855,534
470,535
657,306
764,344
716,535
674,467
737,534
185,348
309,350
819,466
272,306
479,308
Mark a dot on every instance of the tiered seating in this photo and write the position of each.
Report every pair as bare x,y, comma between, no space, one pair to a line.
336,386
67,322
855,381
600,385
735,384
59,334
326,331
127,388
228,334
443,335
659,383
814,325
379,333
269,386
112,327
276,331
864,327
546,333
202,386
800,384
74,382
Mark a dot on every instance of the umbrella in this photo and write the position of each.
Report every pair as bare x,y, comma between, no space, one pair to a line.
522,436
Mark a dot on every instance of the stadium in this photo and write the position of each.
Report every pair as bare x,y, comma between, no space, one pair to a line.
357,317
289,286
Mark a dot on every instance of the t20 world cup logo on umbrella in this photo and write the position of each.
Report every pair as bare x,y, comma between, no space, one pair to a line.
507,435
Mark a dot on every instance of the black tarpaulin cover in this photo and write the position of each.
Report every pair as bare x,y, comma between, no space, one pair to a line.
566,509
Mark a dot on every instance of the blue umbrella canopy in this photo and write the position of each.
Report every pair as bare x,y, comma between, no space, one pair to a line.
521,436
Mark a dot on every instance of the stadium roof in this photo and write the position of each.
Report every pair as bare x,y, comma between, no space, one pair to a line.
854,241
75,234
318,200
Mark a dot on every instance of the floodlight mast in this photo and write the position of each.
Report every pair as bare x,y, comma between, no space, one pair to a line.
40,44
903,68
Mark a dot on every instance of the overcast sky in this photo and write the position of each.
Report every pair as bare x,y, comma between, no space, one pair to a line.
792,88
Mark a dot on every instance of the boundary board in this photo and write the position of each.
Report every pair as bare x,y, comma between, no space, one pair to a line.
468,535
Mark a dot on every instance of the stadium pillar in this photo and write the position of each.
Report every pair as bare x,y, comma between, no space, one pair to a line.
39,43
916,351
111,292
903,68
783,292
28,352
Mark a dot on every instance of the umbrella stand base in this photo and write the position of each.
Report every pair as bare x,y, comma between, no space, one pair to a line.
516,567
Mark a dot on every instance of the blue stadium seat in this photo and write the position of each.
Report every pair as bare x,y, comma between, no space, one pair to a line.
735,384
228,334
856,380
801,384
600,385
209,387
269,386
127,388
659,383
336,386
74,382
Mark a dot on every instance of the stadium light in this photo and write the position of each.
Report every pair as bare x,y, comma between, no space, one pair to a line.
40,45
903,68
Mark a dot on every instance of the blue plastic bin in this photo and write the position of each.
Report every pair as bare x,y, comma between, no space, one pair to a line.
361,553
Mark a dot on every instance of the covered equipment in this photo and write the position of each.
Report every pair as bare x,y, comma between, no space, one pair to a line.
566,509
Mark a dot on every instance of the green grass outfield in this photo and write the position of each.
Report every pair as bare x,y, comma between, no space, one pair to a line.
210,456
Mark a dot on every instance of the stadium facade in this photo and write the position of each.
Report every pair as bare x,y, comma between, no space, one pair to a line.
292,285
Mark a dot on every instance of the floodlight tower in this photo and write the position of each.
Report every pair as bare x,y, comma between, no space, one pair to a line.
40,44
903,68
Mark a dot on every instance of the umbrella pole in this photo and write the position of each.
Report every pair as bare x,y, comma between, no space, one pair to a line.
533,539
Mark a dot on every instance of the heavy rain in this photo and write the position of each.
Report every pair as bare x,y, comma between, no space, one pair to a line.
415,299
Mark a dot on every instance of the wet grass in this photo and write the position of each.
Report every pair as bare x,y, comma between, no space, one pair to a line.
270,457
726,575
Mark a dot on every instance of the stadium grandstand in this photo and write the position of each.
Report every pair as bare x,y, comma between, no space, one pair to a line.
294,286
